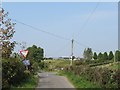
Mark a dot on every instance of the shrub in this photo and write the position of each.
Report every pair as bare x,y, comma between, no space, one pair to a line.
12,72
34,67
116,78
78,62
103,76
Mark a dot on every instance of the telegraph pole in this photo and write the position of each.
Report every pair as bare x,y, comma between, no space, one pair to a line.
114,57
72,52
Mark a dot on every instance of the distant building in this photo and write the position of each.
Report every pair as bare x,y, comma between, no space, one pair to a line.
65,58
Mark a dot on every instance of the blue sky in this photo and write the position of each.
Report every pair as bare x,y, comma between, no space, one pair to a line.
66,20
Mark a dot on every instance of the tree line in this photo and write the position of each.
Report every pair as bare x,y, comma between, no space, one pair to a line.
89,55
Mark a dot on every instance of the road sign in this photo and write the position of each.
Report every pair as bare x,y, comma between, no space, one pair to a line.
24,53
26,62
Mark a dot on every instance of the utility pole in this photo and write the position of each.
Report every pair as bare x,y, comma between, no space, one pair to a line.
114,57
72,52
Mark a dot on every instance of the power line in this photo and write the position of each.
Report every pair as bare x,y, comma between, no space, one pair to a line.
49,33
85,46
87,20
62,49
81,44
52,34
84,25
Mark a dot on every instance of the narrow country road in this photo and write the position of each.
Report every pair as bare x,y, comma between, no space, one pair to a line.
51,80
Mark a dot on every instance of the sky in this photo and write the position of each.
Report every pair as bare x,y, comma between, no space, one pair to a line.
90,24
59,0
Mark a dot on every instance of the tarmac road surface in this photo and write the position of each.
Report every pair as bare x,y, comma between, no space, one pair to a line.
51,80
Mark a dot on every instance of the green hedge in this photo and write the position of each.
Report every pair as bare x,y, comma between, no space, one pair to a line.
92,63
14,72
105,77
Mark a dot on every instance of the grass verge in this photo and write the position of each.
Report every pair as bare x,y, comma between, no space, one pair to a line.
30,84
77,81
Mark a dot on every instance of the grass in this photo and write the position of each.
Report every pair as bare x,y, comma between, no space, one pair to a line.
111,66
115,66
56,64
30,84
79,82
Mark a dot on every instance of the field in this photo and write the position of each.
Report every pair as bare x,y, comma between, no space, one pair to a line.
56,65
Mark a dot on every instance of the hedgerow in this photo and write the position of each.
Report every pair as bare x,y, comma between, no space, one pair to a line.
105,77
14,72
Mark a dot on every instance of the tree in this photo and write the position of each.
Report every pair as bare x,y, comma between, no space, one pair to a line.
105,56
35,53
95,56
111,56
117,55
88,54
6,33
100,56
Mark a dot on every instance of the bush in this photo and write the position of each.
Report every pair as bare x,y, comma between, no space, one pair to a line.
79,62
116,78
103,76
34,67
41,65
12,72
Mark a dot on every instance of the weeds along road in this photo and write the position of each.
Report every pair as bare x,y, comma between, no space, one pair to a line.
51,80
